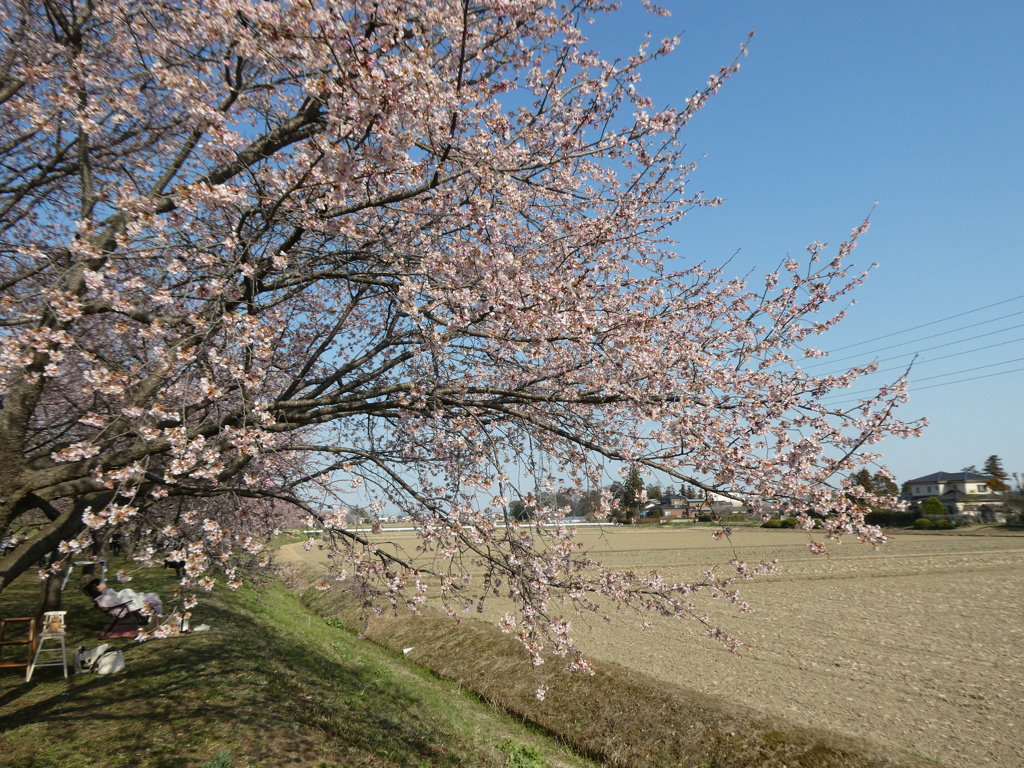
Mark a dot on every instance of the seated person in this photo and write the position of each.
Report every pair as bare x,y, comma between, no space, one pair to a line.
107,598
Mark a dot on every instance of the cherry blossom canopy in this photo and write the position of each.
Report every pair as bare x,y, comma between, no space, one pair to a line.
261,256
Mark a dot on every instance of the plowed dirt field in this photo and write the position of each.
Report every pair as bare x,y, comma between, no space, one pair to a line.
918,646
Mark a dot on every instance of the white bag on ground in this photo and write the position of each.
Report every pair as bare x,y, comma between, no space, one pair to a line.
83,660
109,662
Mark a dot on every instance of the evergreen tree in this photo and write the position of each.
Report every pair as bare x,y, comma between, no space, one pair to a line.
863,479
884,485
517,510
587,503
631,494
996,474
932,506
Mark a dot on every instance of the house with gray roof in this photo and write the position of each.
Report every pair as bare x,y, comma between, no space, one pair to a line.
961,493
677,507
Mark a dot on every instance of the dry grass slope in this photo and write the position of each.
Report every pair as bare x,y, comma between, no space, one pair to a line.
618,716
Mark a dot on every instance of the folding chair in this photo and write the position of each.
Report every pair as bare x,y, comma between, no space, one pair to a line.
119,613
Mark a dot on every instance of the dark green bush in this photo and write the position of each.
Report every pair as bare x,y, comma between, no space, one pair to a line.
923,523
945,524
772,523
890,518
740,518
789,522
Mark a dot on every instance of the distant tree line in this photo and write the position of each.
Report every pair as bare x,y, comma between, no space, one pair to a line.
633,495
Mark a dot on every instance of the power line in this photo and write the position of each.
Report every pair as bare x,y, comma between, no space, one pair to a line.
968,370
975,378
838,397
918,278
847,395
933,322
954,354
947,345
932,336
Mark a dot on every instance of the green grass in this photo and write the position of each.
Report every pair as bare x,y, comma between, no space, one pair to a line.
270,685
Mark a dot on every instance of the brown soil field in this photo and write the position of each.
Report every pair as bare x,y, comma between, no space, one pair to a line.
918,646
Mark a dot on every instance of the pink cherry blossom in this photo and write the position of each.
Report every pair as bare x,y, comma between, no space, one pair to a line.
290,259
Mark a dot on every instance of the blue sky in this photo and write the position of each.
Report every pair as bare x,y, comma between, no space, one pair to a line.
916,105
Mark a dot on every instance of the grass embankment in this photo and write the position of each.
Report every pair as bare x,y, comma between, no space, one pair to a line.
270,685
622,718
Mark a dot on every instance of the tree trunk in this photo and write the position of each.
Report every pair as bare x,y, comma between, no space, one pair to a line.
28,553
130,541
101,545
50,599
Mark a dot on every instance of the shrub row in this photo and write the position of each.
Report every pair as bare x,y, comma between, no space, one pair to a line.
891,518
927,523
884,517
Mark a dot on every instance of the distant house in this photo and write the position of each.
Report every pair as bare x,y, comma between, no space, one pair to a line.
726,505
678,507
961,493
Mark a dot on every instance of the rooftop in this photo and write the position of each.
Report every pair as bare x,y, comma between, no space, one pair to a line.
951,477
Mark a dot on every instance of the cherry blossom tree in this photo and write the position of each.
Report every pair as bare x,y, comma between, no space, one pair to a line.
269,255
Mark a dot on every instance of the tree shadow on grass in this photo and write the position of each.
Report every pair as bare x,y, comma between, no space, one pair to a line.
260,690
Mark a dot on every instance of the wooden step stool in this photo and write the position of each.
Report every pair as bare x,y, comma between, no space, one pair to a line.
19,640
